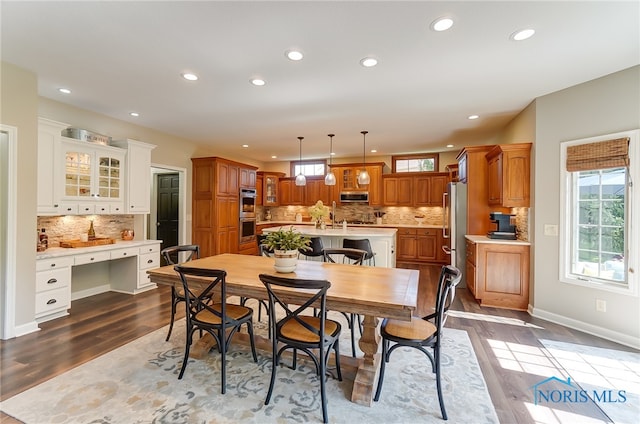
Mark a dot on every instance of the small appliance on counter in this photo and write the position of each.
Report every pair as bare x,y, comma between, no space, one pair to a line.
505,230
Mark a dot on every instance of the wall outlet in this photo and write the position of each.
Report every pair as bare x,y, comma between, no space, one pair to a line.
601,305
550,230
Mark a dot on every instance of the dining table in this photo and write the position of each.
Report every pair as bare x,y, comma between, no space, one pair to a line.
373,292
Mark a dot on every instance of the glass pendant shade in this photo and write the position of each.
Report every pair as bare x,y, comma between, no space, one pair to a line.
330,178
363,176
301,180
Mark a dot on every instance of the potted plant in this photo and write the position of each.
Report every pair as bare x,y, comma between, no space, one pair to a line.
285,245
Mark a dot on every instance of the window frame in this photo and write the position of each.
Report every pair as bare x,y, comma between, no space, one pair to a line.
632,245
434,156
322,162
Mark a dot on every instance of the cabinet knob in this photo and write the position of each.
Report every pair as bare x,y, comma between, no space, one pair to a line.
124,254
53,265
150,261
92,258
52,281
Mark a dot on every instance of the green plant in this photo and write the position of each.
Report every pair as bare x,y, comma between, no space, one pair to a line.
287,240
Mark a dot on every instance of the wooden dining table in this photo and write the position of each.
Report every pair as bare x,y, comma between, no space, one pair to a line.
374,292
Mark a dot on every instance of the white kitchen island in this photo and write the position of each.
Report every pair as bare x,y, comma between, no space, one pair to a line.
383,240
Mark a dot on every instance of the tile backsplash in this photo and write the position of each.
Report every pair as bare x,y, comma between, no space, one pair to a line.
70,227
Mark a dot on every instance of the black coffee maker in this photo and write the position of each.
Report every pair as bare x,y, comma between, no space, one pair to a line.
505,230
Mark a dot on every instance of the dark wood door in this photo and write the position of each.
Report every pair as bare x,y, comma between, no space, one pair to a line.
168,201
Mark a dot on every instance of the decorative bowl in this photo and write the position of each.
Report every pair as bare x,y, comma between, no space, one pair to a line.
127,235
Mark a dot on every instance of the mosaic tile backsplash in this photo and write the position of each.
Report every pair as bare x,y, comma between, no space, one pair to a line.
70,227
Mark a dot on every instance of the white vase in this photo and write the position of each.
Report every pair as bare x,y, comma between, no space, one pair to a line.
285,260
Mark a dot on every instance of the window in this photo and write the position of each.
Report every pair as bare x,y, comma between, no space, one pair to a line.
424,162
309,168
597,241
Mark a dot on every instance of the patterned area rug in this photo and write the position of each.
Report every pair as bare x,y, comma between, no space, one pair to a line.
138,383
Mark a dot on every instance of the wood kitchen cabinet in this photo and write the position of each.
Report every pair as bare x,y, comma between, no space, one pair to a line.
290,193
420,245
497,274
397,190
347,180
509,175
429,189
247,178
316,190
270,187
415,189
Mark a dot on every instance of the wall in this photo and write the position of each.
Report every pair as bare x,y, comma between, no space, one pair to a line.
602,106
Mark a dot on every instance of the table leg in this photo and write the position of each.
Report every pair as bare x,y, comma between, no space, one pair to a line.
365,379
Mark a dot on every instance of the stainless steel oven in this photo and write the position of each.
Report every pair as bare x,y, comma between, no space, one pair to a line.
247,230
247,203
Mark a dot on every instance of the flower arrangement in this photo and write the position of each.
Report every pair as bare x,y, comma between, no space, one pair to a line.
286,240
318,211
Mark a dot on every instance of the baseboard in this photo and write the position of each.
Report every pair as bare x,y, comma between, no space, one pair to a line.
31,327
90,292
594,330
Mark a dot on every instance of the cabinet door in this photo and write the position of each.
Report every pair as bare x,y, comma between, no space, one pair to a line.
390,191
405,191
516,178
422,194
407,244
316,190
247,178
427,242
78,171
139,178
495,180
375,187
438,188
228,178
259,191
49,186
285,191
470,277
270,188
462,169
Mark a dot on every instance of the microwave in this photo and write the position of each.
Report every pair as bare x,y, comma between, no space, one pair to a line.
354,197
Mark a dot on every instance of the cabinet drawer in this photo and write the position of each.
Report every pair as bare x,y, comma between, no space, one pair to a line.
149,260
116,208
427,232
143,279
53,300
102,209
52,279
407,231
87,208
150,248
55,263
124,253
89,258
69,208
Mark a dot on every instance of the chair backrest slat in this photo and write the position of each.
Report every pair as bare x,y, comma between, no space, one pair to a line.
356,255
172,254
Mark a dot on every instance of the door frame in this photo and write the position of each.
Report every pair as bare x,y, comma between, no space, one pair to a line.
8,277
182,201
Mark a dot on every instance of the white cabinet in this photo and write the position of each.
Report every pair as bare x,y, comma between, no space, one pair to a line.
48,145
138,178
53,288
148,258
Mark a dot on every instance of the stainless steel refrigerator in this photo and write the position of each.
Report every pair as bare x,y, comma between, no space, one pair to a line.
454,226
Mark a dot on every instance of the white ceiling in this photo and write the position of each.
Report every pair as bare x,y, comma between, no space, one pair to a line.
119,57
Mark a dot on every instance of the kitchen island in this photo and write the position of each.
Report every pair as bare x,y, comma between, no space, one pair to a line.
383,240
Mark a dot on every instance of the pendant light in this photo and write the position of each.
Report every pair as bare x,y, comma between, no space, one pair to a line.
301,180
363,176
330,178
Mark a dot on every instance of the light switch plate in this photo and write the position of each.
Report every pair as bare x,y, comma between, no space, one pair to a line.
550,230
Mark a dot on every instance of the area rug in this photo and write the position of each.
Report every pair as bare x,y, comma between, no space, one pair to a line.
610,378
138,383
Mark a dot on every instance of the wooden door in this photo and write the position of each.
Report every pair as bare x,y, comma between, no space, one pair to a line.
168,194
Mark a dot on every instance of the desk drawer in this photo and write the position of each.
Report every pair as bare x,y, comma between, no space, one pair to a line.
143,279
149,260
55,263
53,300
124,253
54,279
89,258
149,248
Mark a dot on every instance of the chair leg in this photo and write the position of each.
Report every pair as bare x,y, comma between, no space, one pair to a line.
253,344
439,384
223,364
336,348
274,366
173,312
186,352
323,392
383,361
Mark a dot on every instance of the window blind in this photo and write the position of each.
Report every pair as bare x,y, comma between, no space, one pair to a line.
600,155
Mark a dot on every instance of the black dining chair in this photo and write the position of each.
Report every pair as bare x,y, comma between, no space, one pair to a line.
296,331
172,256
363,244
339,255
422,333
220,319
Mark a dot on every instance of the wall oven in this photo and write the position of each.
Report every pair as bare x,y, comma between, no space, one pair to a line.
247,203
247,230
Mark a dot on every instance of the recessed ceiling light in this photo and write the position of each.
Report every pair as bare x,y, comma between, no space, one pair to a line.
190,77
332,153
369,62
64,90
294,55
473,117
449,145
522,34
374,151
258,81
274,157
245,145
442,24
134,114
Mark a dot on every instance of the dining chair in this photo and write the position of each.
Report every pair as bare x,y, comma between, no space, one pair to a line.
219,318
171,256
302,332
338,255
421,333
362,244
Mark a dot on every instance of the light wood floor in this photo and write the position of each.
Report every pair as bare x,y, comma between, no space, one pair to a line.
104,322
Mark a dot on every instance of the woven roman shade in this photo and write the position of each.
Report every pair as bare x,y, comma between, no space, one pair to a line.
600,155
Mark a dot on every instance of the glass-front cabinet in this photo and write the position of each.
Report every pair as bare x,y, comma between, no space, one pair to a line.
270,190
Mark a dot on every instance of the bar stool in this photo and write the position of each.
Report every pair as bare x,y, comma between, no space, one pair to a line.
363,244
316,246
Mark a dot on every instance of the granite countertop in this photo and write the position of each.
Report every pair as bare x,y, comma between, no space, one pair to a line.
339,224
364,231
485,239
54,252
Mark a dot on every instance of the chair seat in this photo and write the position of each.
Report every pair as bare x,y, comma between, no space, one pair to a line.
417,330
293,330
235,312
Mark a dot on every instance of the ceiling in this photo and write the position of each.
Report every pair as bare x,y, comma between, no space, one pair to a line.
119,57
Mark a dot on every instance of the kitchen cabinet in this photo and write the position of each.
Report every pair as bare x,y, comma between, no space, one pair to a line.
429,189
247,178
420,245
138,175
316,190
509,175
53,288
290,193
259,192
497,274
347,180
397,190
413,189
49,187
270,188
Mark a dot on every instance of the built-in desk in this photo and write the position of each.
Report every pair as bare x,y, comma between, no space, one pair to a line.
63,275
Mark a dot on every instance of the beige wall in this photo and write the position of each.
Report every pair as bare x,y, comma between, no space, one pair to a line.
602,106
19,108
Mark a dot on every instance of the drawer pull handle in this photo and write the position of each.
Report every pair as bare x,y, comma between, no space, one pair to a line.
150,261
124,254
51,301
52,281
91,259
53,265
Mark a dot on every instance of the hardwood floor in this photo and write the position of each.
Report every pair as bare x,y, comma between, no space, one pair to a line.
105,322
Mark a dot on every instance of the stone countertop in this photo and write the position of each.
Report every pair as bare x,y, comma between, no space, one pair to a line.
339,224
55,252
485,239
360,231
